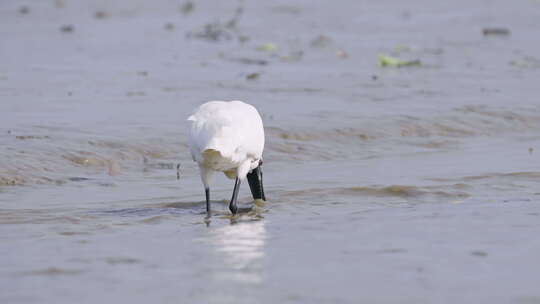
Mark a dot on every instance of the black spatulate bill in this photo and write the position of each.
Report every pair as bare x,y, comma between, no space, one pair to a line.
255,180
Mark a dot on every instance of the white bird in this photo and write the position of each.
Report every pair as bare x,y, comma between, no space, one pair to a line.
228,137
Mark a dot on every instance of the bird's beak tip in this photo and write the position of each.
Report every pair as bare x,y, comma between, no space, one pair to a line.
259,202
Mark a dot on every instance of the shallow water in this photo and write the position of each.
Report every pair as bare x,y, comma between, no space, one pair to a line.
411,185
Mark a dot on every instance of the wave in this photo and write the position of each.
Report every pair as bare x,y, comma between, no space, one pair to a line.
445,192
465,121
58,156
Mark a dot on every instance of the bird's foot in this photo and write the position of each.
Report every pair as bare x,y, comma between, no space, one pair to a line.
233,208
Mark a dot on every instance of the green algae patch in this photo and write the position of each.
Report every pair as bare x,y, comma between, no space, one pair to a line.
389,61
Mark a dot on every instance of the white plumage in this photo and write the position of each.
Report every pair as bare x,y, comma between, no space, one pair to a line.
226,137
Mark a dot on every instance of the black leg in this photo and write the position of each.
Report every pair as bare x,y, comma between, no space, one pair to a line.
207,192
232,205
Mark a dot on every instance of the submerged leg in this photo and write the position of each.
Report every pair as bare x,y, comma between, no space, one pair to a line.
232,205
206,177
207,192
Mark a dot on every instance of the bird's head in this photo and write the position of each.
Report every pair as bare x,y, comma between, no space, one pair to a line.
255,180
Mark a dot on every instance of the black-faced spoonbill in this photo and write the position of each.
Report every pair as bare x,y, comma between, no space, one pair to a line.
228,137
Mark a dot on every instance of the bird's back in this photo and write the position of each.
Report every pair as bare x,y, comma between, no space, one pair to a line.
234,129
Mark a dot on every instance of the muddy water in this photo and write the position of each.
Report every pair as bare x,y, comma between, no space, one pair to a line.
414,185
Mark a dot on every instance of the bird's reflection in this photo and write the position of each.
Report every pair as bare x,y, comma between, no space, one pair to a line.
241,248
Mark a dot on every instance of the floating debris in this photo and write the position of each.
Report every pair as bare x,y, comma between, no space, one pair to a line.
321,41
67,28
187,7
253,76
267,47
101,15
178,171
243,38
293,57
250,61
169,26
526,62
218,31
53,271
479,253
388,61
25,137
286,9
78,179
212,32
23,10
121,260
135,93
231,24
495,31
342,54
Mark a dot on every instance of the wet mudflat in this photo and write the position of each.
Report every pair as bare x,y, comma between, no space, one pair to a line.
413,182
